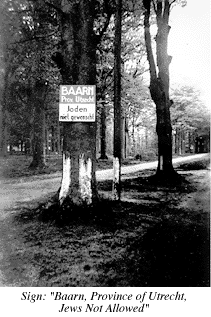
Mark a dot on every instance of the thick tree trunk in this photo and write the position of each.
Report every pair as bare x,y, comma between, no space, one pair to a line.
159,85
38,140
117,104
164,132
78,62
78,179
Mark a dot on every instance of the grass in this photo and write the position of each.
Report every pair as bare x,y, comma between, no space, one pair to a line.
16,166
196,165
147,239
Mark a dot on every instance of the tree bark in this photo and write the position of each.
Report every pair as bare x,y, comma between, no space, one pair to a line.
38,139
47,140
159,84
133,136
4,116
58,138
117,104
3,131
123,141
78,67
103,155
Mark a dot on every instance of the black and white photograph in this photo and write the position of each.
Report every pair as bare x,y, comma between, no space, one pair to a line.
105,148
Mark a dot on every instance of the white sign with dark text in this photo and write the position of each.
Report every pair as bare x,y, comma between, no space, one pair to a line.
77,103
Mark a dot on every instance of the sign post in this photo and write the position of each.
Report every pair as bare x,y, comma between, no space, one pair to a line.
77,103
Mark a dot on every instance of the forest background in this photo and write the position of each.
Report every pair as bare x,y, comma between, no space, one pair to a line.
27,52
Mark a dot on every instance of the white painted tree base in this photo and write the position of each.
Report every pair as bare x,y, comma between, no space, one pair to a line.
85,179
66,179
161,163
116,178
84,191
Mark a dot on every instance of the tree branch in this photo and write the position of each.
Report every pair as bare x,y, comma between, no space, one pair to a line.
166,11
147,36
172,2
58,9
159,9
34,38
105,26
154,6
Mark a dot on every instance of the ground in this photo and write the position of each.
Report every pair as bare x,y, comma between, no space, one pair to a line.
156,236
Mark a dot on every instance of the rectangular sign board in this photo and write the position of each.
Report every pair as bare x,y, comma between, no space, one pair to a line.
77,103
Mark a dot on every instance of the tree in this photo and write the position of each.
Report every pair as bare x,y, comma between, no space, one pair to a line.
5,58
37,91
9,33
117,103
104,83
159,81
76,59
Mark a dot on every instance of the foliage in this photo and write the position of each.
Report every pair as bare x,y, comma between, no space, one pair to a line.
28,60
30,38
188,110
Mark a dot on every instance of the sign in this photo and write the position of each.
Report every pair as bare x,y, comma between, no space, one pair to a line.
77,103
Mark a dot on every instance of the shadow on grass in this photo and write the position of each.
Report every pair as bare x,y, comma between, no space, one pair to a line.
170,254
125,243
196,165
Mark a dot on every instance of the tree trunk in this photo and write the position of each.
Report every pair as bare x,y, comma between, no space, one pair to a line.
38,140
3,117
183,142
126,145
103,155
164,139
3,132
174,144
47,141
58,138
22,147
1,127
124,141
78,180
78,61
133,136
52,139
159,85
146,138
117,104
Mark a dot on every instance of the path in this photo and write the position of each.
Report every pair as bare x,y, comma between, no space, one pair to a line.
26,190
14,194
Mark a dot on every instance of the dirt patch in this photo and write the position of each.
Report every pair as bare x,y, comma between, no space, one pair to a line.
156,236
